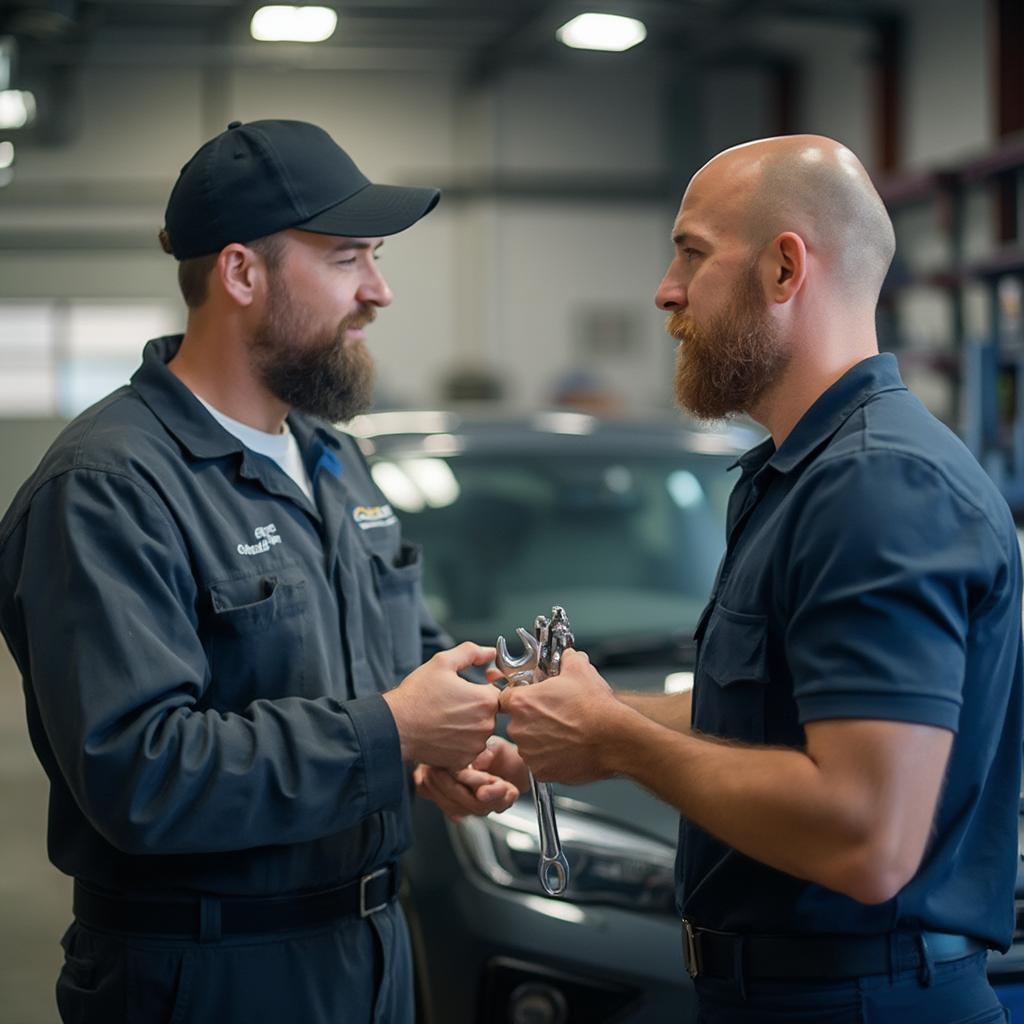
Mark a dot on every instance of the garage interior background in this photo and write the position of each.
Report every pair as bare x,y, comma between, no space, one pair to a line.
562,172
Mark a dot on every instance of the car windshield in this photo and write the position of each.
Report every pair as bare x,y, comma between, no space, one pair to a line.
628,545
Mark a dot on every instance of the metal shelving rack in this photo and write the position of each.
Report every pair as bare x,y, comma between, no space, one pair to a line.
983,364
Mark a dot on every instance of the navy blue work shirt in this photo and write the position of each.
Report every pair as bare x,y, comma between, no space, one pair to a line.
204,649
872,571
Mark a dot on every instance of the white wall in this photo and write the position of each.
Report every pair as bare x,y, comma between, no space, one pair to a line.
593,122
501,281
607,259
456,276
948,112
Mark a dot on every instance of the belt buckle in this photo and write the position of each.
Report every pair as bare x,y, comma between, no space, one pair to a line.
691,957
364,910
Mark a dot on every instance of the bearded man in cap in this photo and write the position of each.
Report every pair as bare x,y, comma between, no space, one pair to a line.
847,766
211,604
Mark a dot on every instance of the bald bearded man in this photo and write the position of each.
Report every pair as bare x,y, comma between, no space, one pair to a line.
847,769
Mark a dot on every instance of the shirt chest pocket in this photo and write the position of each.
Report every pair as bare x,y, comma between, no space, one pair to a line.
397,584
256,639
732,676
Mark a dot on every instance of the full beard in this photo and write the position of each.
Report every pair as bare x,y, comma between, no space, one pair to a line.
320,373
727,366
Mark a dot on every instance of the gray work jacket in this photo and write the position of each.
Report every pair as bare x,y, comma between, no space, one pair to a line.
204,649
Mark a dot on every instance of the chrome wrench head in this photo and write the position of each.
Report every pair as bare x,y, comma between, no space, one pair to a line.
518,671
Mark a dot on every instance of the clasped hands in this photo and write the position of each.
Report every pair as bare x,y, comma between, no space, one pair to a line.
559,730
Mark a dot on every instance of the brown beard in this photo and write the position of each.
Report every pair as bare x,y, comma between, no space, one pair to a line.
315,372
726,366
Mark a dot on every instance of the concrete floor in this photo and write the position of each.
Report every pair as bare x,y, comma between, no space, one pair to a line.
35,899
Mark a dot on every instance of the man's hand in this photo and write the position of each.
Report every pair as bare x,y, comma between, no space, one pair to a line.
442,719
492,783
562,725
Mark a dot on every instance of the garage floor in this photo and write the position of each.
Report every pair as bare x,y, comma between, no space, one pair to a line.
35,899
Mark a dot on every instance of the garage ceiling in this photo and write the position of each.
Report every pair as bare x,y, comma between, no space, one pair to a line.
477,38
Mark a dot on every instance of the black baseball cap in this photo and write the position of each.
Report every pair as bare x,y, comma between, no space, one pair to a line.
264,176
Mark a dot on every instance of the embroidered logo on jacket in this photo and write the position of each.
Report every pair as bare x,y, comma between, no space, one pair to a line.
266,537
369,517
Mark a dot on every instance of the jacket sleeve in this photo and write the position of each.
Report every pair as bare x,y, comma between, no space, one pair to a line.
109,609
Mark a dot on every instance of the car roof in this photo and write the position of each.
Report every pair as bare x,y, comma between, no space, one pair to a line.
446,432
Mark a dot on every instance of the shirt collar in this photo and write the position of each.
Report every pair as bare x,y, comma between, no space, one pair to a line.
184,416
831,409
869,377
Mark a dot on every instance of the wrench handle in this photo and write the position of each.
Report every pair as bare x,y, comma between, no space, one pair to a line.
553,868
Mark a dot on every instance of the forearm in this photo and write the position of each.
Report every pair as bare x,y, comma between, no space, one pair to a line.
286,771
775,805
673,711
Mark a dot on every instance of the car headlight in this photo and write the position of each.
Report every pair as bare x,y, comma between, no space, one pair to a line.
607,863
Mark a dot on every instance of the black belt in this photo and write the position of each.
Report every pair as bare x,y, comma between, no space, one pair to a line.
207,918
825,957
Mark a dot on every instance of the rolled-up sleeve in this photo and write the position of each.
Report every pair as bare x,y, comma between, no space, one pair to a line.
109,608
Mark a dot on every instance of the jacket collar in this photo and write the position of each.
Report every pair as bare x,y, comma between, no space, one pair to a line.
186,419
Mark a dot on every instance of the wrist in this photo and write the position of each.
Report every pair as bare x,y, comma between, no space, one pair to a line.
396,705
619,738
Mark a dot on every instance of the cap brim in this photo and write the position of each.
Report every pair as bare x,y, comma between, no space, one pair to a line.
373,211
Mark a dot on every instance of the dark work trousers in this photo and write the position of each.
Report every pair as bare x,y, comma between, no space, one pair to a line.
351,972
956,993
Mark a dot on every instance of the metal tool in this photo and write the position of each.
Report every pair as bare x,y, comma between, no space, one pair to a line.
541,659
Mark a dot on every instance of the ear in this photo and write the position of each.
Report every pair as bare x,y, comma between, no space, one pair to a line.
241,272
786,259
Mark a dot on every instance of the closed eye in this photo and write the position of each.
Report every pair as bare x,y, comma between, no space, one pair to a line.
350,260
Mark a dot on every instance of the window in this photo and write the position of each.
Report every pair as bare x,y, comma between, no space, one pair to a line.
58,357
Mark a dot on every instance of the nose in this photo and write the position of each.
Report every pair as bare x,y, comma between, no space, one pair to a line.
374,289
671,293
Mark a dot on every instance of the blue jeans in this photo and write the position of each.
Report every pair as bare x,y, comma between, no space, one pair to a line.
955,993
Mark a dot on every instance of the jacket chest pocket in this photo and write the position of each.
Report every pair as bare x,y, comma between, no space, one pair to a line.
398,586
257,641
732,676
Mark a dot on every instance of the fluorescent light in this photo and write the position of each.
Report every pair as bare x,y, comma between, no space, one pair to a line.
602,32
6,155
287,23
17,109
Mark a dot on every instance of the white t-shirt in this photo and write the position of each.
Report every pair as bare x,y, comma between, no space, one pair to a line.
282,448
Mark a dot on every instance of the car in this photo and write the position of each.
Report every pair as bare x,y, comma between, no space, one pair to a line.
622,523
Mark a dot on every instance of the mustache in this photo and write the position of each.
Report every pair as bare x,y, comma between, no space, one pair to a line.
678,326
360,318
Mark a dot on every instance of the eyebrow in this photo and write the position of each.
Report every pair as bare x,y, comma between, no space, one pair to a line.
348,244
688,236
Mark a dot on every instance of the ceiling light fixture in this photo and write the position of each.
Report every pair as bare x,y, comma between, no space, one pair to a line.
6,154
602,32
287,23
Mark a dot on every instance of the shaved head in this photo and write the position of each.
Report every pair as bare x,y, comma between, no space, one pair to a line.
816,188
